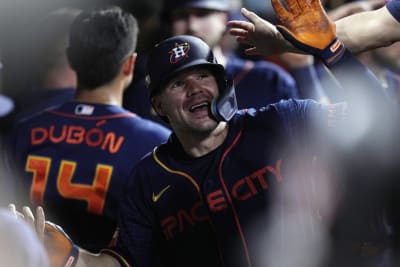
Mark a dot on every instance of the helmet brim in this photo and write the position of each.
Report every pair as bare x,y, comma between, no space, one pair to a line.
217,69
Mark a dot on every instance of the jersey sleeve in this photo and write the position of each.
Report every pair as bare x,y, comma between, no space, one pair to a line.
307,123
394,8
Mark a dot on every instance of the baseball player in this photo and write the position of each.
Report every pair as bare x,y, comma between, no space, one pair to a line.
215,202
76,159
208,196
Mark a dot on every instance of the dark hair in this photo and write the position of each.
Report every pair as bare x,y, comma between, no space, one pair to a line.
100,39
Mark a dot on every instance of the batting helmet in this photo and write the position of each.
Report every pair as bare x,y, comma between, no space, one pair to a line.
179,53
170,5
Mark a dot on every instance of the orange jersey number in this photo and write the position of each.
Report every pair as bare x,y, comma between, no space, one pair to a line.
94,194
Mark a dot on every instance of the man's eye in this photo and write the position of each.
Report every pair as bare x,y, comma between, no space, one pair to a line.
203,76
177,84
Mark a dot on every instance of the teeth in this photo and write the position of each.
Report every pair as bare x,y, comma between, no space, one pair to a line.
201,105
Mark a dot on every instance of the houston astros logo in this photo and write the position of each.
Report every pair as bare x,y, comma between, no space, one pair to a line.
180,51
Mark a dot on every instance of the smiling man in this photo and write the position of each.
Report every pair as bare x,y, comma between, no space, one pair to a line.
208,196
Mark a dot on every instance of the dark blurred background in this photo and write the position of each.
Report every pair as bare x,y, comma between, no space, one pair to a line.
17,18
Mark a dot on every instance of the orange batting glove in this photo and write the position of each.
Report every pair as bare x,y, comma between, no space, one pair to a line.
305,24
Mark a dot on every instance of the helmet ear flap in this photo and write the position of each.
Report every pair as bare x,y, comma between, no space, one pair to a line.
225,105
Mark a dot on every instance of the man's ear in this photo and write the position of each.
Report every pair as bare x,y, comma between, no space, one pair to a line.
157,105
129,64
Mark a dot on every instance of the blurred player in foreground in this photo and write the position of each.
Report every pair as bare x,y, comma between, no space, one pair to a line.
19,245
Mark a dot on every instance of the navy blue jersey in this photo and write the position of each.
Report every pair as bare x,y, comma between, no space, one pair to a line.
394,8
77,158
39,99
215,210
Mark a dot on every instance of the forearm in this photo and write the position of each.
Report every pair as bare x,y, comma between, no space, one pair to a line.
367,30
87,259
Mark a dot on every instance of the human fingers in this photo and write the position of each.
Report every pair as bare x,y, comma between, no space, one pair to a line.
316,5
243,40
15,212
294,6
241,25
236,32
40,223
28,215
241,37
13,209
250,15
240,30
281,11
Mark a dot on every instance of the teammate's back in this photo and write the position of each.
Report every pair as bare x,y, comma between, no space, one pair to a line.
76,158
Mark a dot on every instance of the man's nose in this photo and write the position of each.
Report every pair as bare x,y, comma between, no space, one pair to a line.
192,86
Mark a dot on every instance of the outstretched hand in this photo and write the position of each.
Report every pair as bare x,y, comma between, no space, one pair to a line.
306,21
307,26
37,221
62,252
263,36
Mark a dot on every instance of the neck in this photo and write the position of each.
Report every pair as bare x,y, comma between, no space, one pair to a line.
110,94
202,144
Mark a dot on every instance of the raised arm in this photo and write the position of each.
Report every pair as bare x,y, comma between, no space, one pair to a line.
358,32
370,29
307,27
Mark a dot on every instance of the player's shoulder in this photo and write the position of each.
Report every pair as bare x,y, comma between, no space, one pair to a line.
148,128
26,118
149,164
150,125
